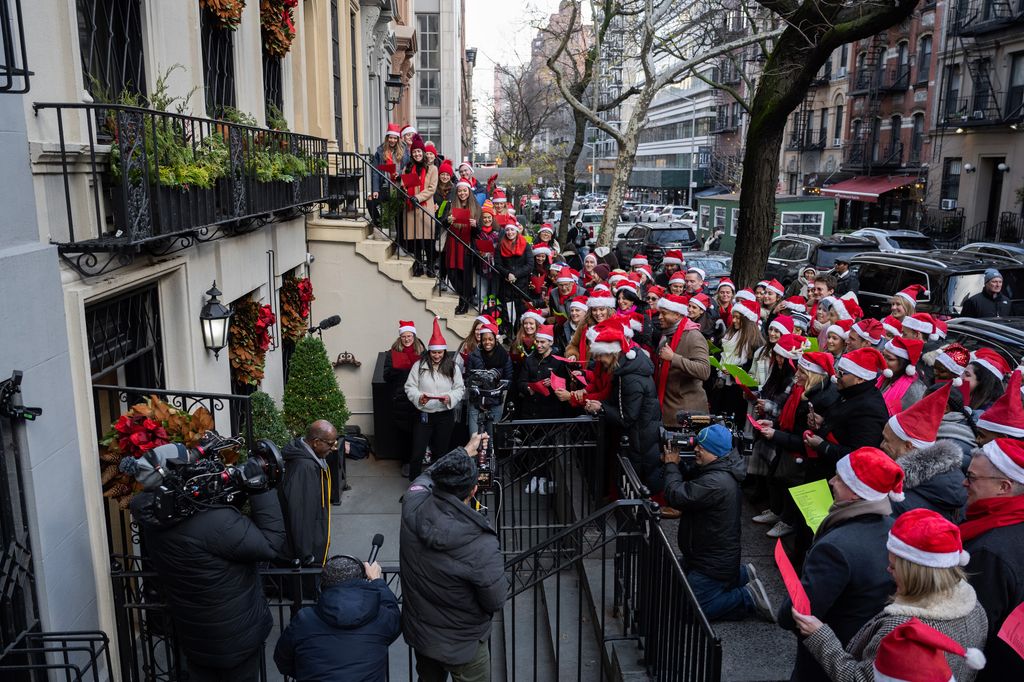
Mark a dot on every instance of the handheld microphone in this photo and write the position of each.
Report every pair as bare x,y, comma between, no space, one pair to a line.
378,540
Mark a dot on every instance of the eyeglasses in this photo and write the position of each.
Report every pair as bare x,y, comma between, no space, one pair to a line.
972,478
330,443
840,374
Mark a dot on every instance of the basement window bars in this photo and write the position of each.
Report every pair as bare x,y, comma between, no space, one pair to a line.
14,73
110,39
218,65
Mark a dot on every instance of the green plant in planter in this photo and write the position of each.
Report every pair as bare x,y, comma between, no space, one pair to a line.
312,390
276,119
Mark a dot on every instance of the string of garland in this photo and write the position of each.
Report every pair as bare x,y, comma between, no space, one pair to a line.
249,340
228,12
296,295
277,22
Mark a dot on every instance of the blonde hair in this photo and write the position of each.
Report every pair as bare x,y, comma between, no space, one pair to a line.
920,582
416,344
813,381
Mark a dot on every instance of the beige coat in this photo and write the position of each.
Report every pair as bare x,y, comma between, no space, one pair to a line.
419,224
688,370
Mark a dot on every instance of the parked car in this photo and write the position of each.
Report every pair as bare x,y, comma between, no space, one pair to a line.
651,215
715,264
1005,335
653,240
672,213
791,253
949,277
1014,251
897,241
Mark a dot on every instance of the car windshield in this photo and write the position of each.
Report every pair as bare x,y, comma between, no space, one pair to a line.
714,267
827,254
962,286
918,243
674,235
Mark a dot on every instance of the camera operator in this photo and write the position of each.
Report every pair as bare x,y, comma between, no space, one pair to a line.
489,355
708,495
453,576
206,554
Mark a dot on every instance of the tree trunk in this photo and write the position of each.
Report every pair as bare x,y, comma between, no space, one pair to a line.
624,166
569,176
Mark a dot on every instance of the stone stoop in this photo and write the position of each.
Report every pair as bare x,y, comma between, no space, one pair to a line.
381,252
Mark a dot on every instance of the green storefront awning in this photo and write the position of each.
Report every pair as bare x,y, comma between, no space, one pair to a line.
658,178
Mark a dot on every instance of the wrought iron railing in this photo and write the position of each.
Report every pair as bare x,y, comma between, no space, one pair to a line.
138,180
976,17
15,78
980,110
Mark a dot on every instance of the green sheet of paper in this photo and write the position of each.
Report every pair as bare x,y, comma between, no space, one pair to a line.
715,363
740,375
813,500
712,348
814,344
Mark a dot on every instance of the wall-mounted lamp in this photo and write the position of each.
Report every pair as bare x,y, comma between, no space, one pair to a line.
1003,168
393,88
215,319
969,168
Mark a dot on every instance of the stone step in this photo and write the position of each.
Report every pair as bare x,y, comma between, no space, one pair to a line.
574,638
529,656
375,250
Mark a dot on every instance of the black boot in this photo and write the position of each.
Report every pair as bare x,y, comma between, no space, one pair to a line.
462,307
417,269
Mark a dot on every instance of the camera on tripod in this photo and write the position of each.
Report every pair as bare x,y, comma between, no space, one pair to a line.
484,389
683,438
185,480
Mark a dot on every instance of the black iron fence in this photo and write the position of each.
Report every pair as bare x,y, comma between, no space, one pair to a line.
138,180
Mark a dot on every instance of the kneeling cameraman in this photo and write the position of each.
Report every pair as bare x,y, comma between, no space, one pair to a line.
205,550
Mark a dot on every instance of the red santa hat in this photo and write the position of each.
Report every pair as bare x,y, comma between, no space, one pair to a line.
941,328
555,266
892,326
782,324
615,277
775,286
926,538
908,349
406,326
566,275
701,301
954,358
798,304
535,315
673,303
463,183
915,652
763,284
1007,455
656,290
446,167
677,276
437,341
499,194
489,328
393,130
632,323
919,423
484,319
790,346
697,271
746,295
601,297
627,283
911,293
992,361
819,363
748,309
610,337
923,323
545,331
869,330
645,272
841,329
579,302
542,251
408,130
467,165
864,363
546,227
638,259
673,257
872,475
1006,416
850,296
726,282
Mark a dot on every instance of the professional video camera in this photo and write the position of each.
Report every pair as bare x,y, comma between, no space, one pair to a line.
683,438
484,390
186,480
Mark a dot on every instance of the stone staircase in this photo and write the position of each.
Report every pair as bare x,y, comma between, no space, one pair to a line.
377,249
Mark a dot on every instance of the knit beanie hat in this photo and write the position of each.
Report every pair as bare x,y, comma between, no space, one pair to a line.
991,274
455,473
716,439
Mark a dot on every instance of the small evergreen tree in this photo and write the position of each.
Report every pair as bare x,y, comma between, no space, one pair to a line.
267,421
312,390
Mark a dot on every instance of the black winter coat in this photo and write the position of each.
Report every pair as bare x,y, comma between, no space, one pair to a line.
632,405
933,479
845,285
520,266
497,359
534,405
845,577
207,565
709,529
996,571
982,304
855,422
402,409
344,637
453,576
305,493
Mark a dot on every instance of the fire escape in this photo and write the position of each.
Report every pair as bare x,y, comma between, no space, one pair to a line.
874,80
804,137
726,166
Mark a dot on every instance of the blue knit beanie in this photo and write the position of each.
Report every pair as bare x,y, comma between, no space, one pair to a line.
716,439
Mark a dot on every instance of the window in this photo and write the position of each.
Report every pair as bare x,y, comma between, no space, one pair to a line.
735,222
430,130
844,51
895,125
110,40
336,72
982,88
218,65
839,122
802,223
353,38
924,59
1015,93
719,219
429,69
823,127
953,106
273,88
704,218
917,138
950,188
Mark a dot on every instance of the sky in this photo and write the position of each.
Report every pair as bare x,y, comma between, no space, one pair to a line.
501,31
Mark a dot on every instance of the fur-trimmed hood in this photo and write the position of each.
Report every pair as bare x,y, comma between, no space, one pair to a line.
957,604
925,464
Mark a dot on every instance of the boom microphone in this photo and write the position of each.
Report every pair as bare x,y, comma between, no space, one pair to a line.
378,540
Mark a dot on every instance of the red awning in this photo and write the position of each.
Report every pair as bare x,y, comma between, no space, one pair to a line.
864,188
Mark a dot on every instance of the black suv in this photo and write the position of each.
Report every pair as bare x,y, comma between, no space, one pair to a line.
949,276
791,253
1004,335
654,239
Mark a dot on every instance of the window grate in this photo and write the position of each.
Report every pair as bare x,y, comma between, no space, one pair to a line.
110,38
273,89
336,71
17,583
218,65
126,330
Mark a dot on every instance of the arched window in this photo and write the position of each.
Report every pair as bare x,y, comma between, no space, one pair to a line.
902,75
924,59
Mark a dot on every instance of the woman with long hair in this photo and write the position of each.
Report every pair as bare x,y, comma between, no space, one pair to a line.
486,245
419,225
435,387
925,560
904,303
985,376
389,160
546,237
512,264
398,361
899,384
739,343
463,226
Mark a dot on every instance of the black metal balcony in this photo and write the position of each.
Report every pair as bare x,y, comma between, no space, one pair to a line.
808,140
972,18
895,79
725,124
865,155
140,181
979,110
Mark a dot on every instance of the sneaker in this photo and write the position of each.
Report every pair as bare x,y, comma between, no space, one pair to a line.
405,470
542,486
780,530
532,486
767,516
751,573
762,605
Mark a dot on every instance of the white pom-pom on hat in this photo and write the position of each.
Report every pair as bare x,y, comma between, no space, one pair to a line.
975,659
911,370
631,353
958,382
835,379
965,557
887,373
897,497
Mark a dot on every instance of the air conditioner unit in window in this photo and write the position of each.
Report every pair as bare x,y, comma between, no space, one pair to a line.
977,114
838,142
841,72
947,204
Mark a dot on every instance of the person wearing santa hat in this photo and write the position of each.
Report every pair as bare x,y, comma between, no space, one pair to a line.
488,355
681,361
566,289
537,400
600,307
774,292
458,246
904,303
1005,417
845,571
525,340
546,237
864,334
694,279
835,337
486,245
739,344
435,387
389,159
934,478
677,284
926,558
722,304
914,652
698,310
398,360
513,262
860,416
994,535
564,334
418,225
985,375
671,263
901,386
892,326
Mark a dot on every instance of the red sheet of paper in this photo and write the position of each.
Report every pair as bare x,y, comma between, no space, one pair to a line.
503,219
796,591
753,422
582,378
484,245
557,382
1012,631
461,216
410,181
539,388
388,168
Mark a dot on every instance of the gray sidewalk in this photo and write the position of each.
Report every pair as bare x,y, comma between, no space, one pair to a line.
372,506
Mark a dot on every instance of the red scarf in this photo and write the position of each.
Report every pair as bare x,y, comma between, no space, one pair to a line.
787,419
404,359
583,344
994,512
513,248
664,366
